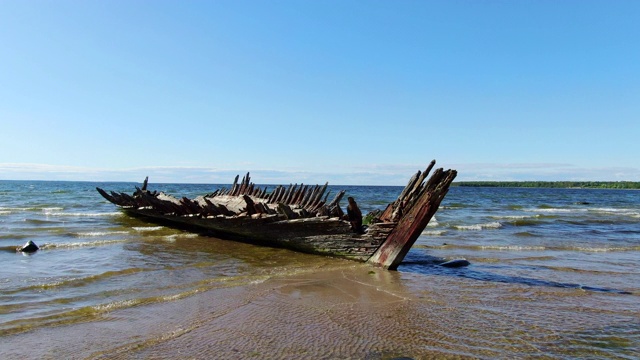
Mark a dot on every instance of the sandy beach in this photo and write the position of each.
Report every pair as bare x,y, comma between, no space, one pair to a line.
349,311
343,311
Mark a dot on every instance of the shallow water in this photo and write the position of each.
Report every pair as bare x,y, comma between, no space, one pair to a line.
553,274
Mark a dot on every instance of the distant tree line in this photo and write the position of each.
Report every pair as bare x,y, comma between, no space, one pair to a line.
553,184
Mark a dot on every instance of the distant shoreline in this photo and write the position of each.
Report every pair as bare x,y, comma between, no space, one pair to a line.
634,185
621,185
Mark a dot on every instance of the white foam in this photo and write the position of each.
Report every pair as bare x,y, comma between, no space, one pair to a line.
605,249
82,214
101,233
21,209
512,247
624,211
49,209
174,237
147,228
80,244
491,225
512,217
116,305
434,232
557,210
189,235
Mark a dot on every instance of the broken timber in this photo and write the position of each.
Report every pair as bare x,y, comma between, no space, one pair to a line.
298,217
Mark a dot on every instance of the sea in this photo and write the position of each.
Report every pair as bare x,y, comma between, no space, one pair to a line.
553,274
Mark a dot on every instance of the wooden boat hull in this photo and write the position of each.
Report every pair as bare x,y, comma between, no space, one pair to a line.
320,235
298,218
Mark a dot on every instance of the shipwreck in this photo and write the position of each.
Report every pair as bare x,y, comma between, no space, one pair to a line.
300,218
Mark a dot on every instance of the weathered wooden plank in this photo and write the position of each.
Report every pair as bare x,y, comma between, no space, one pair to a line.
409,227
250,209
211,208
318,197
290,194
145,183
234,186
307,196
105,194
285,194
285,210
299,194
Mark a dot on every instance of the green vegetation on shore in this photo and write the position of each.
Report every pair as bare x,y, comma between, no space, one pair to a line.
553,184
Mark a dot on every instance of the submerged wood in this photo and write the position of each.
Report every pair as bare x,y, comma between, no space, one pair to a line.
297,217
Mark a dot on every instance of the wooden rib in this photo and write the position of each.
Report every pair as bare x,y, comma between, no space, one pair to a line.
411,224
234,186
144,184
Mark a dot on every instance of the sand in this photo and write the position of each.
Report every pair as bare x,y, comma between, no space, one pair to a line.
350,311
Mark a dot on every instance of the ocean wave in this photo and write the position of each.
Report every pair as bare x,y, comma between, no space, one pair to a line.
491,225
16,210
14,236
434,232
576,270
32,208
525,234
634,213
174,237
480,247
100,233
453,206
188,235
549,249
557,210
81,214
631,212
40,221
512,247
170,238
613,210
81,314
49,246
520,220
60,191
512,217
80,281
597,249
49,209
147,228
526,222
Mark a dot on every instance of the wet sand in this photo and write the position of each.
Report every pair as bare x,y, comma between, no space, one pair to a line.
342,311
349,311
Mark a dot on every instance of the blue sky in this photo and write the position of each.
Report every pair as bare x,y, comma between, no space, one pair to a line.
350,92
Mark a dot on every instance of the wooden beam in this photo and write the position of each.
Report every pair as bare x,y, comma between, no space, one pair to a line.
413,221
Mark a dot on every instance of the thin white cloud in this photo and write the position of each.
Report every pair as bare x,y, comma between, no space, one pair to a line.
544,172
366,174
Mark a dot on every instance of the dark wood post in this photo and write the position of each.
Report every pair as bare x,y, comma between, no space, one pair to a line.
416,208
